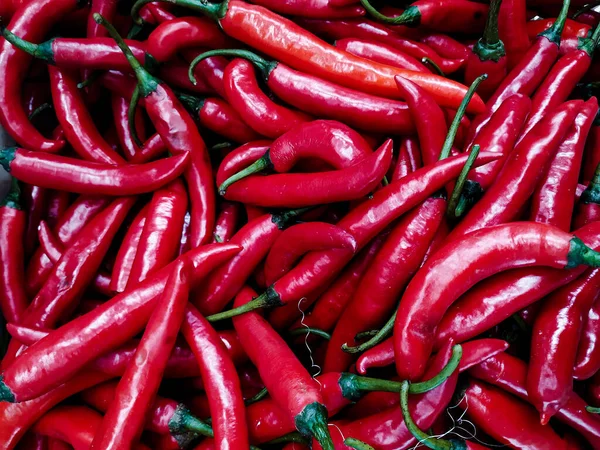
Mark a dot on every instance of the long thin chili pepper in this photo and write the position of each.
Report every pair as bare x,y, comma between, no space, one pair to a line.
235,18
587,360
96,332
34,200
587,209
211,70
58,203
91,177
14,300
445,45
124,420
127,141
226,224
512,21
220,379
316,9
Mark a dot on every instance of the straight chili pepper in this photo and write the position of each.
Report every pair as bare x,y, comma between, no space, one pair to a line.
587,360
14,300
249,24
445,46
127,141
58,203
316,9
127,250
35,199
512,28
227,222
97,332
124,420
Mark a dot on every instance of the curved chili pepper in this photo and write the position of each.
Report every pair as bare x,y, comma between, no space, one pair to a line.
96,332
176,75
307,189
587,360
300,239
211,70
523,168
226,224
249,24
505,294
512,28
32,21
127,141
298,394
220,379
14,300
91,177
34,201
364,222
58,203
382,283
124,420
181,136
172,36
555,336
150,150
238,159
256,238
553,200
315,9
326,99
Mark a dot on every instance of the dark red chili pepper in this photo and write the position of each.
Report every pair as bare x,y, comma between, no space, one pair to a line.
58,203
152,149
587,360
220,379
97,332
297,394
326,99
316,9
389,273
553,200
512,27
120,110
127,250
63,173
587,209
14,300
123,422
176,74
523,168
227,222
505,294
402,166
488,56
159,241
594,390
108,8
307,189
270,33
592,153
211,70
35,199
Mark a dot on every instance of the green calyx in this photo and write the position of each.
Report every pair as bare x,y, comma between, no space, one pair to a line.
261,394
579,253
6,394
588,44
553,33
285,218
411,16
385,331
263,163
489,52
41,51
460,183
13,197
471,193
312,421
186,428
6,157
356,444
192,103
490,47
215,11
269,299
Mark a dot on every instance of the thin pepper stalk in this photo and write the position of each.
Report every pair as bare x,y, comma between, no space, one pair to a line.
460,184
379,337
356,444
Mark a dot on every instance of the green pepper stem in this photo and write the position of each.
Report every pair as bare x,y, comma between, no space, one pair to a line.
579,253
261,64
41,51
356,444
365,335
430,62
215,11
410,17
553,33
259,396
6,394
192,103
592,409
460,112
6,157
312,421
588,44
40,109
263,163
13,198
294,436
460,183
385,331
308,330
265,300
490,47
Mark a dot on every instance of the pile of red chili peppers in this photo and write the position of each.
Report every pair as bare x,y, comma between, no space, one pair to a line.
300,224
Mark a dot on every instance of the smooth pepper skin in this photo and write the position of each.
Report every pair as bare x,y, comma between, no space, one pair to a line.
316,9
380,52
587,362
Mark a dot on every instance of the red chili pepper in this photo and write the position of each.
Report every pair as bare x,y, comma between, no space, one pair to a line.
108,8
127,141
268,32
152,149
505,294
389,273
124,420
63,173
587,209
592,153
220,379
553,200
326,99
238,159
445,46
211,70
523,168
176,75
594,390
316,9
14,300
127,250
159,241
572,28
58,203
34,201
298,394
227,222
96,332
512,27
587,360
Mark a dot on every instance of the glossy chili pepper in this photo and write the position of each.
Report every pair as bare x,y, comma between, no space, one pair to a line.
179,133
127,250
512,27
120,110
445,46
299,239
298,394
364,222
108,8
381,285
238,159
14,300
316,9
159,240
498,248
307,189
323,98
218,116
124,420
211,70
555,336
523,168
153,148
572,27
32,22
227,222
553,200
587,209
176,74
497,298
170,37
510,373
592,153
256,238
249,24
587,360
34,200
220,379
63,173
96,332
17,418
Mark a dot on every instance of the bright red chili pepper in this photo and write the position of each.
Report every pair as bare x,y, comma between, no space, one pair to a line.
226,224
572,28
96,332
108,8
14,300
238,159
316,9
211,70
587,360
512,27
120,110
270,33
445,46
402,166
553,200
326,99
124,420
58,203
587,209
35,199
523,168
389,273
220,379
297,393
151,149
